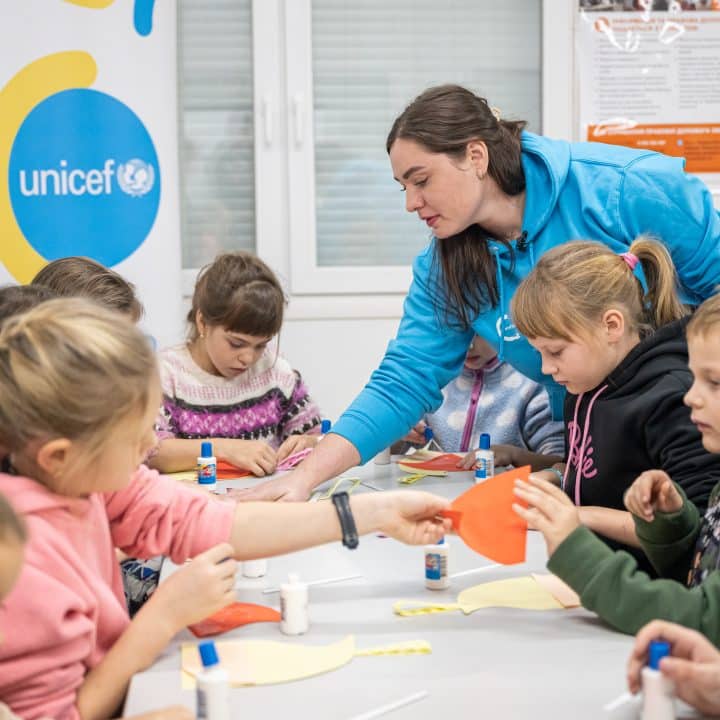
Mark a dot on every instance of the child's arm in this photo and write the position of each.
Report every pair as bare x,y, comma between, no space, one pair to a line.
616,525
191,594
410,517
177,454
609,583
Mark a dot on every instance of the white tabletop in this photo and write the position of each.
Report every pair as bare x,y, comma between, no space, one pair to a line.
494,663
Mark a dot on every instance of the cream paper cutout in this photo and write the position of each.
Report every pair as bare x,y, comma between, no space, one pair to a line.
563,593
523,593
265,662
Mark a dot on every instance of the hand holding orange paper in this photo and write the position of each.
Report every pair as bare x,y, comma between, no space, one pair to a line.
483,517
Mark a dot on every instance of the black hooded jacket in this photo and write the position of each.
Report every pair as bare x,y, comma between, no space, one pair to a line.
637,423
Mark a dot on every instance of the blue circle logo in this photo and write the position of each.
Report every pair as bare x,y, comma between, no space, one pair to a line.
84,177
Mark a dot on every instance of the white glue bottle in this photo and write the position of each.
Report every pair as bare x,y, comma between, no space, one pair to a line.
658,691
480,475
436,566
254,568
207,467
294,606
383,457
485,457
212,693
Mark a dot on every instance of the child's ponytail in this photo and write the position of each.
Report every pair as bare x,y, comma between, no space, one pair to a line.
661,302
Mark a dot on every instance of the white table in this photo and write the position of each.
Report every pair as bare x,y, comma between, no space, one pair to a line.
492,664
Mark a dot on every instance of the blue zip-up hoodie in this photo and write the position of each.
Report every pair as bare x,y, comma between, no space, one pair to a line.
588,191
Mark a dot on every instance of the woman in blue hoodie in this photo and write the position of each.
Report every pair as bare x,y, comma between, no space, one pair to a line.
496,198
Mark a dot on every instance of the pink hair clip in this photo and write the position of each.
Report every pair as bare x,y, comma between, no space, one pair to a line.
631,259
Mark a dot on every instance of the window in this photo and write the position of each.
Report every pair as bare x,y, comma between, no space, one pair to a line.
284,144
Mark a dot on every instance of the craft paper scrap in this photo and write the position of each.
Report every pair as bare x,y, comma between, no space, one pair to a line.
265,662
232,616
483,517
523,593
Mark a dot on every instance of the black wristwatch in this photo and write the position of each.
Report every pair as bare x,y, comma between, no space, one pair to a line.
341,501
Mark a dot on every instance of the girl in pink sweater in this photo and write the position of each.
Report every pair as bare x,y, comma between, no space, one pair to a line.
79,391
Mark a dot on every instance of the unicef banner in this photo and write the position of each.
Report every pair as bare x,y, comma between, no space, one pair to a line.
88,144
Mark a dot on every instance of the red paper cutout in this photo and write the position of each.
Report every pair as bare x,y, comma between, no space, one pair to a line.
226,471
448,462
232,616
483,517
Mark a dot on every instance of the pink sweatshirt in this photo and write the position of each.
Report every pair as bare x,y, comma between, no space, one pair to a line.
68,607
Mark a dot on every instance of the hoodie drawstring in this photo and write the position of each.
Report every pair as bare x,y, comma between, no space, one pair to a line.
574,431
501,293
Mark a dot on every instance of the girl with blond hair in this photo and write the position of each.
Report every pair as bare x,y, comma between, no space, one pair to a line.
79,391
610,328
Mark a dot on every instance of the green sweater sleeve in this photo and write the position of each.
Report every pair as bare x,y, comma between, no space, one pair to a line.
610,584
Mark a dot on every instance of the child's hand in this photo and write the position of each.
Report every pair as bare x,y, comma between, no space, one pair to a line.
199,589
468,462
409,516
296,443
253,455
549,510
416,436
504,455
652,491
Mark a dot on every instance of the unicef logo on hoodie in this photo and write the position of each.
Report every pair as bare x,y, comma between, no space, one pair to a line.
84,177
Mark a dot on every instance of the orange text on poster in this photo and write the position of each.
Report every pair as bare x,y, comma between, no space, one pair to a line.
698,143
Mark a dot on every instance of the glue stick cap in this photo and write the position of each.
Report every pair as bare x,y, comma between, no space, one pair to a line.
656,652
208,653
206,449
441,541
428,433
325,426
485,441
481,473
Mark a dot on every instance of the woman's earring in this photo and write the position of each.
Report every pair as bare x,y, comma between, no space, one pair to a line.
481,176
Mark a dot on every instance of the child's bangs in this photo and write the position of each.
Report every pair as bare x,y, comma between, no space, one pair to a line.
537,312
251,317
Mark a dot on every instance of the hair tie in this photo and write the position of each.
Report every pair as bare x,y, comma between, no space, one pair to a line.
631,259
496,112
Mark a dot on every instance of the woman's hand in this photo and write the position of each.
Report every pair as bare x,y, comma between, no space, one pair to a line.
296,443
652,491
197,590
694,664
409,516
285,488
176,712
253,455
549,510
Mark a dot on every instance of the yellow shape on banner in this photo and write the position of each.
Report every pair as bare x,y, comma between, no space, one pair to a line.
523,593
94,4
35,82
264,662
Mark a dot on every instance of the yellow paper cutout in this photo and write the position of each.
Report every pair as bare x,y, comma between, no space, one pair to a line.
563,593
523,593
265,662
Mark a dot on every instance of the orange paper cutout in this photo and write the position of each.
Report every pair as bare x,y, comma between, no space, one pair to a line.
226,471
483,517
232,616
447,461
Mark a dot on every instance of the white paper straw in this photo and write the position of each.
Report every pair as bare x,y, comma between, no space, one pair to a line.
370,485
475,570
385,709
619,701
323,581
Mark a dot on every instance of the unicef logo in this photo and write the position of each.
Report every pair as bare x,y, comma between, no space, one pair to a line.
84,177
136,177
506,329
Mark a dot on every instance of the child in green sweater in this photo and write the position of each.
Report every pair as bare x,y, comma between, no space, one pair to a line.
683,547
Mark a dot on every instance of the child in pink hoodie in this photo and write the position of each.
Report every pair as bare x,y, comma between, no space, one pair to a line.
79,391
12,547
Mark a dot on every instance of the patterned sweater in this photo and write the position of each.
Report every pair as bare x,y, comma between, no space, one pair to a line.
268,402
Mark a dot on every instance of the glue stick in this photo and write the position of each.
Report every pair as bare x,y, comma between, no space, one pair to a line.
658,691
212,693
485,457
207,466
436,566
294,606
